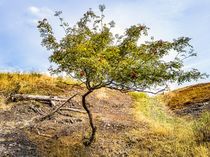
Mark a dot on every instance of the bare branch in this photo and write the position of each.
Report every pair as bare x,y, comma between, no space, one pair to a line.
125,89
55,110
72,109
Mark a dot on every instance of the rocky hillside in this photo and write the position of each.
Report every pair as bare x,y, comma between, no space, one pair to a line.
131,124
191,100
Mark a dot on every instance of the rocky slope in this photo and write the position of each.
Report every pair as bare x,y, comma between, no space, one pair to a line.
189,101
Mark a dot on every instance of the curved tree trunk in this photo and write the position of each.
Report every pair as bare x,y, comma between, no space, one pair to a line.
93,128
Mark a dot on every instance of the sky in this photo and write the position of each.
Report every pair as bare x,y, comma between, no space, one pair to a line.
20,48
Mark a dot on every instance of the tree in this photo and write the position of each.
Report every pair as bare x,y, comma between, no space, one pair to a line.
91,53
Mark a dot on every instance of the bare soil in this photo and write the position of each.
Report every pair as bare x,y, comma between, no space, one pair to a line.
62,135
13,141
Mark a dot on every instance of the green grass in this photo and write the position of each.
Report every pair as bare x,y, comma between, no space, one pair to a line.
166,134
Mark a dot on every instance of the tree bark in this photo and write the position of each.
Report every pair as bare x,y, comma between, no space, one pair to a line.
47,99
93,128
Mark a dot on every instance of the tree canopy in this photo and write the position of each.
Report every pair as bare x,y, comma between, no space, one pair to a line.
93,54
90,52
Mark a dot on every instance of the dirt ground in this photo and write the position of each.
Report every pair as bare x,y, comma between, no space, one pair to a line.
13,141
62,135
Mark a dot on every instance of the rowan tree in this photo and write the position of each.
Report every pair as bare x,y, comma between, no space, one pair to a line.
91,53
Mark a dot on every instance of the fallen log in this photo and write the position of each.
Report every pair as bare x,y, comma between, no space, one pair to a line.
41,98
18,97
73,110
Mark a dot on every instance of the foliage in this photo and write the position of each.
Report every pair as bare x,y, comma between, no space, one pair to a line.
90,52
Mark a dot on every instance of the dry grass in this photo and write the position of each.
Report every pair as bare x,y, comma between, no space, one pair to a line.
3,105
154,131
167,135
188,95
34,83
147,128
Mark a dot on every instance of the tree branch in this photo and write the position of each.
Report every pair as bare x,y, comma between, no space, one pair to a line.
55,110
125,89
